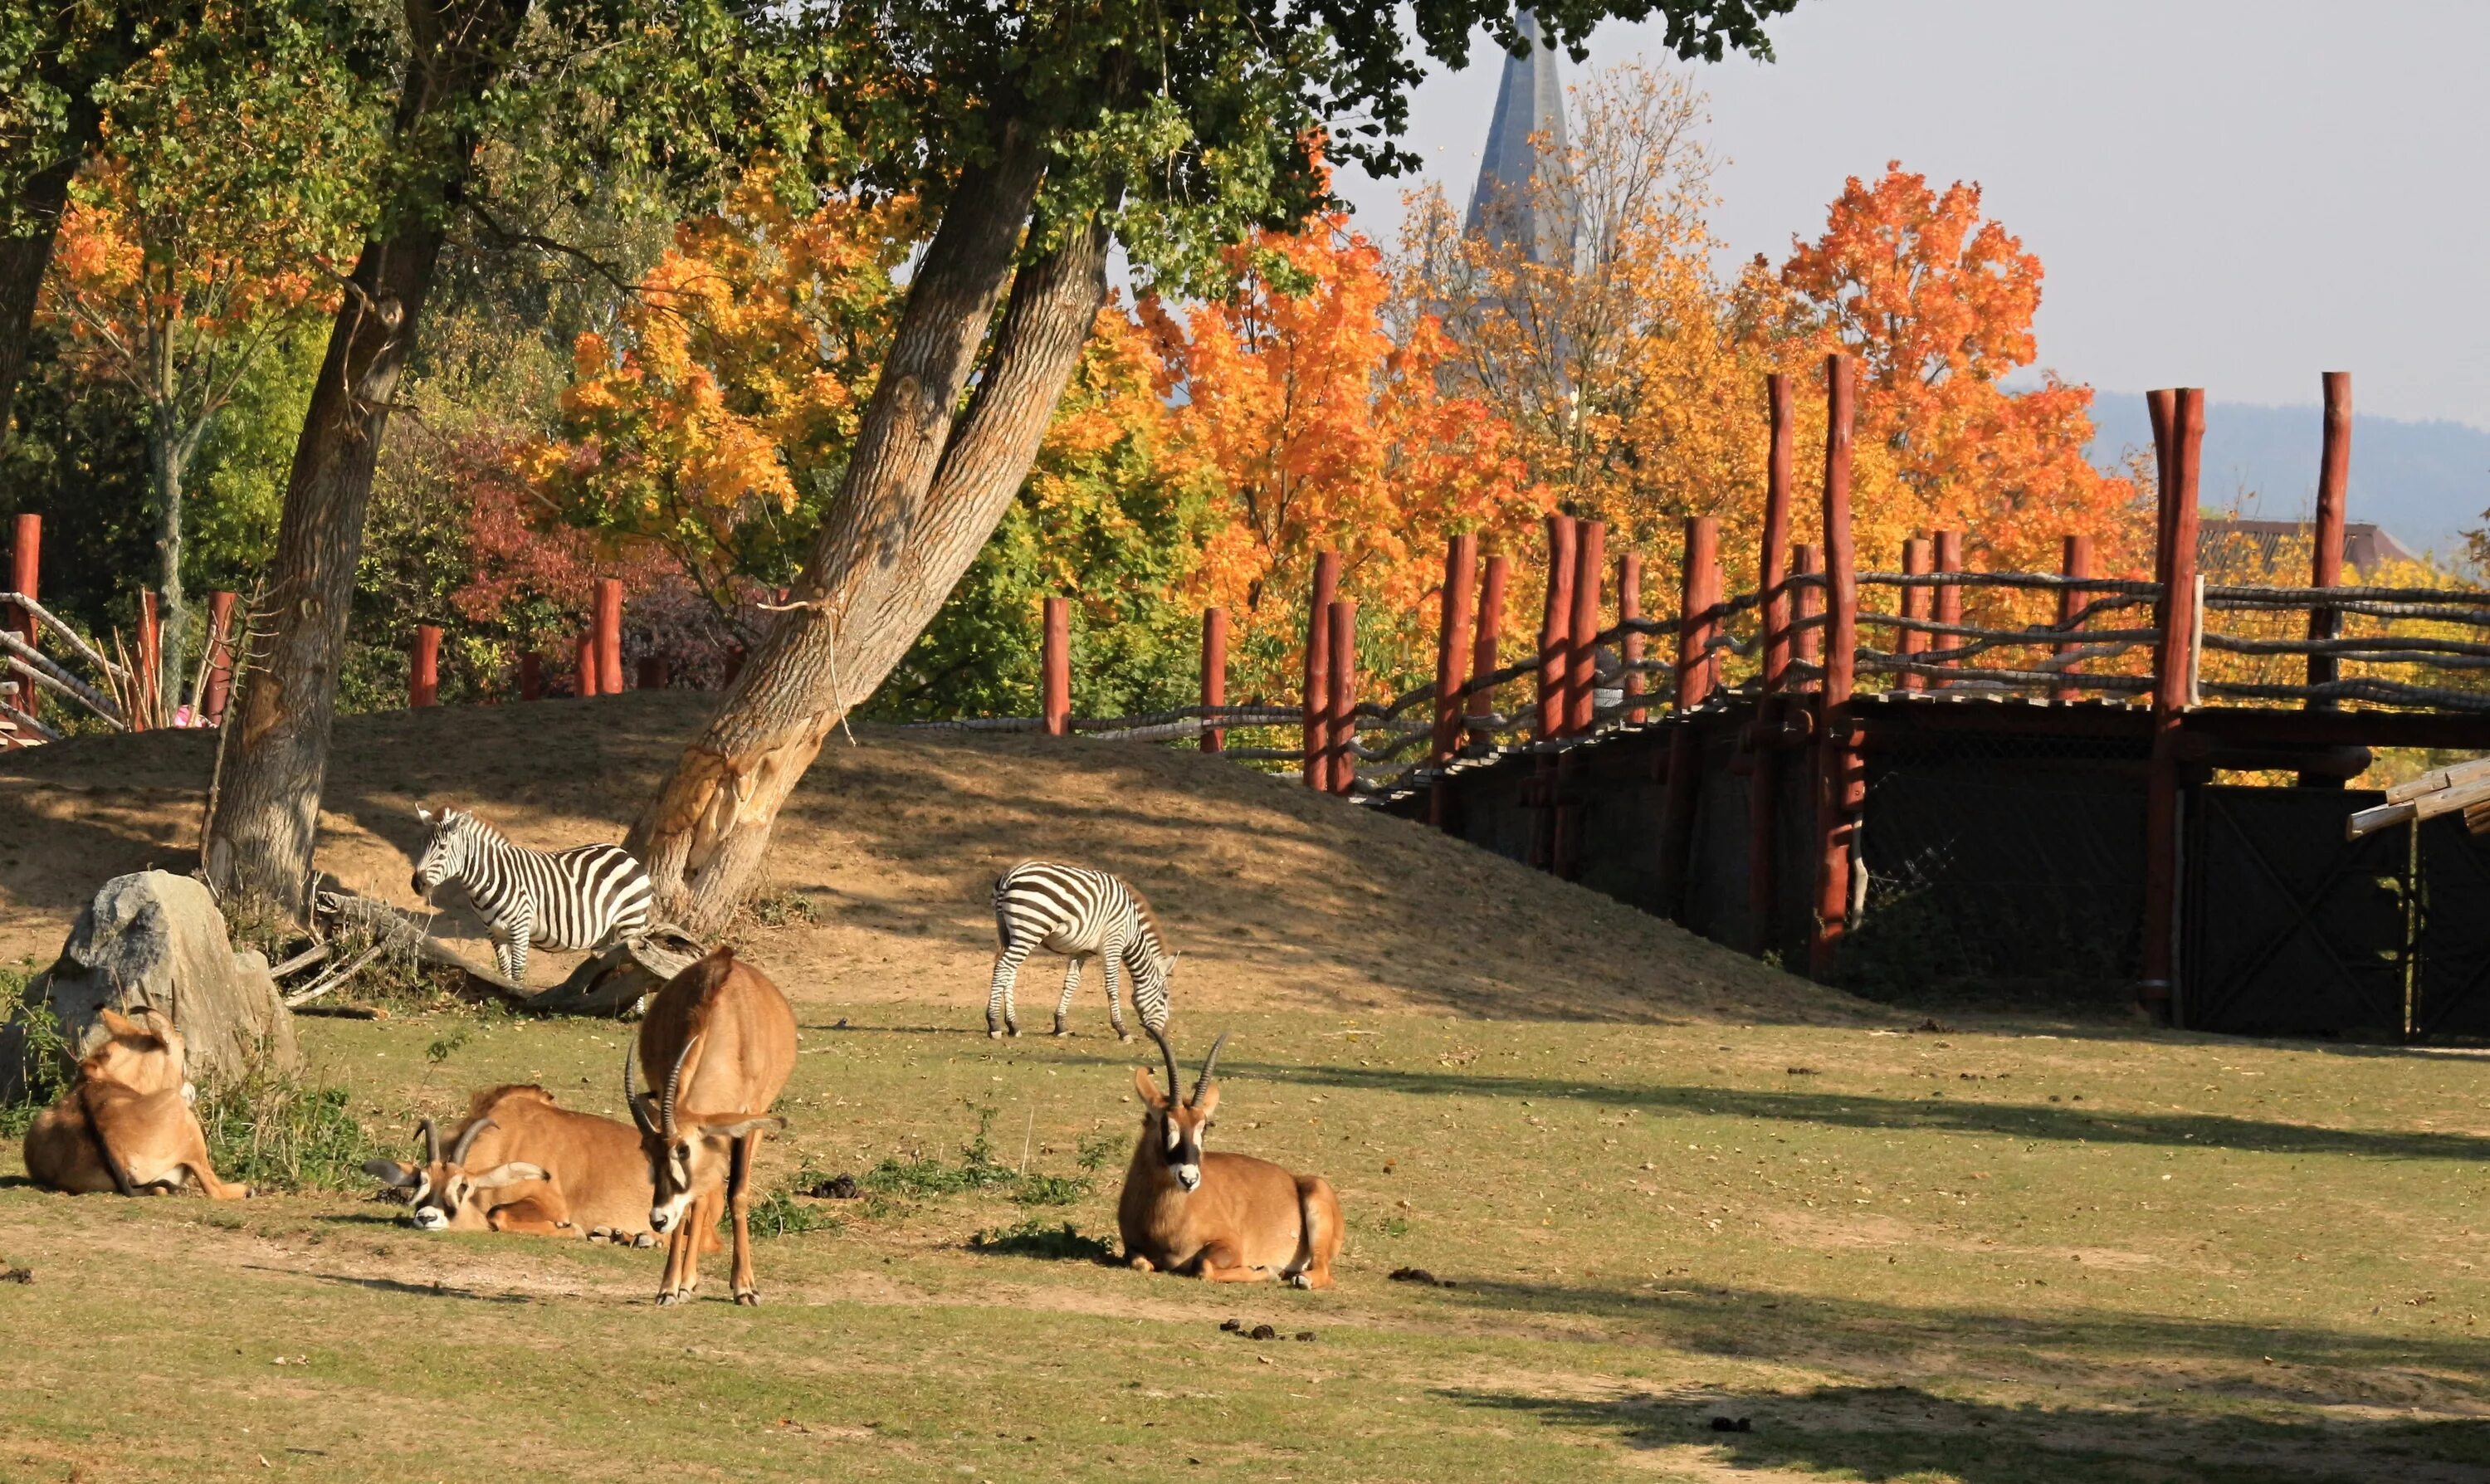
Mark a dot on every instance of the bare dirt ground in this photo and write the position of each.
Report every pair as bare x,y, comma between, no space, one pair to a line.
1275,897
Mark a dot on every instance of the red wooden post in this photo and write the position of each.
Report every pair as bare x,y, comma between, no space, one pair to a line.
2173,656
609,636
1214,675
1054,668
2326,563
2076,560
1318,702
1486,646
588,665
150,662
1582,625
1453,625
1696,621
1916,604
1949,604
531,677
25,570
1837,789
220,654
424,667
1555,618
651,673
1630,645
1774,576
1807,560
1342,632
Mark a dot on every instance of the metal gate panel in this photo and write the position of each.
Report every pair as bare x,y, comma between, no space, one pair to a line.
2452,989
2286,927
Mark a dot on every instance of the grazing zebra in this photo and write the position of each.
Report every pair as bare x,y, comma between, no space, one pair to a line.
564,899
1082,914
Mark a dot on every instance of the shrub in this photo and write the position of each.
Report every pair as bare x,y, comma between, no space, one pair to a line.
274,1131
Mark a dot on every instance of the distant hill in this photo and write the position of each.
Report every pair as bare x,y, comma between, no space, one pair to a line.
2425,483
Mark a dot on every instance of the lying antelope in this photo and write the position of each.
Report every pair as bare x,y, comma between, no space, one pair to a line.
126,1124
727,1038
1226,1218
522,1164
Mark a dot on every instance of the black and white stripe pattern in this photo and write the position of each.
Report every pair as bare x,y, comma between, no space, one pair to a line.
1082,914
564,899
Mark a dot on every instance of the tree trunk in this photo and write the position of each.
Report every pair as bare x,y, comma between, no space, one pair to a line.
276,754
165,461
903,531
22,263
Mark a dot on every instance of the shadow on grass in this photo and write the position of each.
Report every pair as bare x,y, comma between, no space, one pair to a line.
1060,1243
1760,1324
395,1285
1848,1110
1898,1432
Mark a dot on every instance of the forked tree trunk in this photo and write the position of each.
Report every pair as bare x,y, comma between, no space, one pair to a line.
276,754
911,516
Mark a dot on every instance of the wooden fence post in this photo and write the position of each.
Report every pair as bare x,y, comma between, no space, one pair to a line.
1697,563
1838,786
531,677
651,673
1555,620
1214,675
2179,425
1453,624
1763,781
423,666
1918,561
2326,561
1054,668
587,663
1317,693
149,662
1948,603
1774,577
1630,641
25,573
2075,560
1698,620
1583,625
220,658
1343,635
1807,560
1486,646
608,628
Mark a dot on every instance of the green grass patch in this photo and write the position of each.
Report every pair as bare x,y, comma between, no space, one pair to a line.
277,1130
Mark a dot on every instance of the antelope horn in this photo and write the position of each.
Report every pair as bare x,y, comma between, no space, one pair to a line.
666,1106
467,1139
431,1142
1173,1081
631,1090
1207,1063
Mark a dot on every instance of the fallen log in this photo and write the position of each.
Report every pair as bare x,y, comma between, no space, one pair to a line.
613,982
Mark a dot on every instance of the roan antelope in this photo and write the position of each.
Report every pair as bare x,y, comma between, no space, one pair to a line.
1226,1218
727,1038
519,1163
127,1124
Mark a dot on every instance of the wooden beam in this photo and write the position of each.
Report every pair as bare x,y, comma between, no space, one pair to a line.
1838,789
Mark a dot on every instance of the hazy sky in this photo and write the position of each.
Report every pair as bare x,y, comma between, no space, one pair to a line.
2236,195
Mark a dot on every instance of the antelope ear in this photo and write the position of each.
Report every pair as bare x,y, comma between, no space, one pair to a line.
738,1130
389,1173
510,1174
116,1024
1208,1102
426,815
1149,1087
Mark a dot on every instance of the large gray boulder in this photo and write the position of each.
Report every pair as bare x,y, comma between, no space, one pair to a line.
157,939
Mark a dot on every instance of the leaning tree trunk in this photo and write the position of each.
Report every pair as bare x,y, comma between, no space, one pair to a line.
911,515
275,760
23,262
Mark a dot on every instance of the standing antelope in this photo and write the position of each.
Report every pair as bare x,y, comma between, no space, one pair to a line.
127,1124
1082,914
522,1164
727,1038
1226,1218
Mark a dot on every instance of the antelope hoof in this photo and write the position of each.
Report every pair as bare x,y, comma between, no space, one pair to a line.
644,1239
1300,1280
749,1298
669,1299
1141,1264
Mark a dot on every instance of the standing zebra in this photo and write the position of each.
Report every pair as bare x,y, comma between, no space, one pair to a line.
575,898
1082,914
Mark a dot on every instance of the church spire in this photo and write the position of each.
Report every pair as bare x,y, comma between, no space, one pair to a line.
1529,102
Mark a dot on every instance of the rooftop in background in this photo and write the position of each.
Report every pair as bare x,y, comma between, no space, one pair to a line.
1529,112
2365,547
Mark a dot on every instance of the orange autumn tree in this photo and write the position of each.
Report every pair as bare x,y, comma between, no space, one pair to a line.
1937,304
1318,429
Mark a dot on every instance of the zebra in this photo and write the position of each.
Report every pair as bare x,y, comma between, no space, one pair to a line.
577,898
1082,914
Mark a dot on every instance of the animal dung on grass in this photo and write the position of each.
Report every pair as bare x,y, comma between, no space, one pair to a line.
838,1187
1420,1275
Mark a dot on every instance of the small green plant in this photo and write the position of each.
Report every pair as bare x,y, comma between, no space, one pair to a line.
274,1131
978,1170
442,1050
788,1211
1099,1150
1029,1237
776,906
31,1036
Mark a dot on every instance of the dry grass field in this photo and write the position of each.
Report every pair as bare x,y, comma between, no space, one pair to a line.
1657,1186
